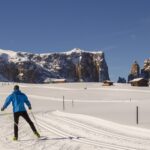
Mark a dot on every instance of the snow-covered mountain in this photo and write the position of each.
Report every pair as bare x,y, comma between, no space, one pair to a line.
74,65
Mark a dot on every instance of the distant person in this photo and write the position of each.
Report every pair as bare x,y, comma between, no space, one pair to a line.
18,99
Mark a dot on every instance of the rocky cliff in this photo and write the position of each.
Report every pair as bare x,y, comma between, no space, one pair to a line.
136,72
75,65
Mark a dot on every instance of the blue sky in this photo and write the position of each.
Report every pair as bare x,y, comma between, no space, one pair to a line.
121,28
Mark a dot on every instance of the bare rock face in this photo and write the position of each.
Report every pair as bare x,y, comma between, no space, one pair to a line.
135,71
30,72
145,72
8,71
75,65
103,70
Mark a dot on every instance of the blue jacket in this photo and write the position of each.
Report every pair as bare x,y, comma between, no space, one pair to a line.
18,99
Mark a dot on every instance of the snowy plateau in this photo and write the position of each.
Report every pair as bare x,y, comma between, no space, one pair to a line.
92,117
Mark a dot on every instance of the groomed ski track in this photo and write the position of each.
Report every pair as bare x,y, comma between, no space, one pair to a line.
64,131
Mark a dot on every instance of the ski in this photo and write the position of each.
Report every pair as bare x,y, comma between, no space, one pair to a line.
42,138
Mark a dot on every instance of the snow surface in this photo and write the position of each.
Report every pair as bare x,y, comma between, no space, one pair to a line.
18,57
136,79
10,55
77,50
95,117
8,52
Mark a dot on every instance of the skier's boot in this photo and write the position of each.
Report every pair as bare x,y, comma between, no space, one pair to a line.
37,134
15,138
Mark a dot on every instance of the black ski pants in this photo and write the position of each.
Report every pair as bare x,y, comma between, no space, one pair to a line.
25,115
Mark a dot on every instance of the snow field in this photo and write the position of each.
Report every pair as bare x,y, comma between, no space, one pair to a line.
82,125
74,131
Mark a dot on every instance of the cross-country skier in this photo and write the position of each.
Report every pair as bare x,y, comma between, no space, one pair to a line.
18,99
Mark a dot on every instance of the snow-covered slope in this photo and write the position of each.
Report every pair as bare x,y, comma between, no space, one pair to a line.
7,55
13,56
75,132
8,52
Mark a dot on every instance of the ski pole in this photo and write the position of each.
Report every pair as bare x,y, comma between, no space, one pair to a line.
35,120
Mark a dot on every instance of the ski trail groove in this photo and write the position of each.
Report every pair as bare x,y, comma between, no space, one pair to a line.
104,132
100,133
50,128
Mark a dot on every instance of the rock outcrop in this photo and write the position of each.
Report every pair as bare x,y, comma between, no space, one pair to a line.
135,71
143,73
75,66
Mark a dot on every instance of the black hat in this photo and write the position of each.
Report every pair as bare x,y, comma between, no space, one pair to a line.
16,87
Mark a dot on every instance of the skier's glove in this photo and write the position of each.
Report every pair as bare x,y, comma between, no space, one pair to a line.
30,107
2,109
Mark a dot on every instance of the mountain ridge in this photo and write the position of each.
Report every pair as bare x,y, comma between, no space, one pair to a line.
75,65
